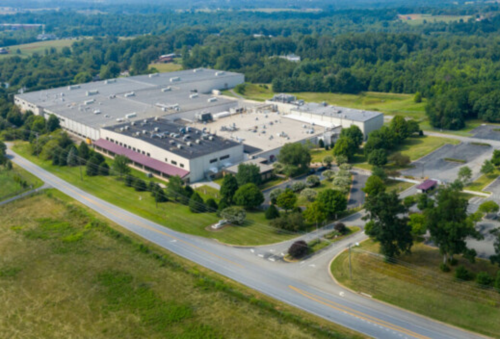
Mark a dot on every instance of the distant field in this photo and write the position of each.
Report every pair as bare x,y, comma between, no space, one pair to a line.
9,187
36,47
275,10
417,284
66,274
170,67
418,19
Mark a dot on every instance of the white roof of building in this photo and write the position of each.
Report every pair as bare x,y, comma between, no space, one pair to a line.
336,112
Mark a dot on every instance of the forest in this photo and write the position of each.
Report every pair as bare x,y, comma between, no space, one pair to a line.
455,65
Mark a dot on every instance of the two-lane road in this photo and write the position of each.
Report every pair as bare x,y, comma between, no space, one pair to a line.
296,284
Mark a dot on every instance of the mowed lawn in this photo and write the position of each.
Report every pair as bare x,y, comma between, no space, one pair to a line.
37,47
417,284
255,231
483,181
66,274
414,147
169,67
9,187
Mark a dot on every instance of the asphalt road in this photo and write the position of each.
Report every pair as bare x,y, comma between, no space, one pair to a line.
305,285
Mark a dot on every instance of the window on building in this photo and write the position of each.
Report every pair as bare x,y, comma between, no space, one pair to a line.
166,160
213,160
224,157
107,138
182,165
174,162
133,148
148,155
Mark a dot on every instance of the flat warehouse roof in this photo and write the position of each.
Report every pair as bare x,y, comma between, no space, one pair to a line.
336,112
184,141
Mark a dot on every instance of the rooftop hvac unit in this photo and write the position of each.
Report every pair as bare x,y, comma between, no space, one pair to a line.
189,143
88,102
110,81
119,120
97,111
73,87
194,95
171,142
130,115
212,100
121,129
196,70
179,146
211,138
154,75
174,79
112,96
166,89
126,128
157,118
198,141
145,121
144,131
132,123
128,95
92,92
218,74
157,129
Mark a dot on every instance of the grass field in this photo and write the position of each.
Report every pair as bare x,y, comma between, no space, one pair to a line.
255,231
170,67
398,186
418,19
37,47
66,274
417,284
415,148
484,180
9,187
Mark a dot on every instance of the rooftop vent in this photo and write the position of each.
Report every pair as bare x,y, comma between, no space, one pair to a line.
144,131
97,111
171,142
110,81
179,146
128,95
92,92
198,141
88,102
174,79
112,96
196,70
119,120
218,74
154,75
157,129
189,143
194,95
73,87
166,89
212,100
130,115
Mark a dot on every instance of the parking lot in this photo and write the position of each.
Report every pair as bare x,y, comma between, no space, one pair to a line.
486,132
435,166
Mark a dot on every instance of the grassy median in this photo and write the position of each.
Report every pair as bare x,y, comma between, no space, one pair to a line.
417,284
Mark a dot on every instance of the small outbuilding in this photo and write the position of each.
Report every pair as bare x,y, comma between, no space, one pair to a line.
427,185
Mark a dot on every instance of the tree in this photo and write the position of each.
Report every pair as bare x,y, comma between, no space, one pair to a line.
72,158
345,147
312,181
157,192
327,160
450,225
292,222
354,133
489,207
104,169
496,157
223,204
52,123
400,128
249,196
315,213
93,165
329,174
321,143
272,213
83,152
379,172
487,167
298,249
341,159
248,173
374,186
465,174
287,200
378,157
409,201
275,193
196,203
120,165
417,224
298,186
417,98
295,157
228,188
211,205
175,188
386,226
140,185
309,194
129,180
496,257
423,202
340,227
234,215
332,201
399,159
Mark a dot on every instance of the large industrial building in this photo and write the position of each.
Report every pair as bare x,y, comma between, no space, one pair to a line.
85,109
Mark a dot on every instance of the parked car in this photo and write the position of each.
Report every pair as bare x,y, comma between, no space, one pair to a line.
311,171
321,169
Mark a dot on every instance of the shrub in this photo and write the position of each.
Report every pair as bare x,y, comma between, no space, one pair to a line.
484,279
211,205
497,282
292,222
313,180
340,227
129,180
298,186
462,273
453,262
196,203
409,201
272,213
140,185
298,249
275,194
234,215
444,268
309,194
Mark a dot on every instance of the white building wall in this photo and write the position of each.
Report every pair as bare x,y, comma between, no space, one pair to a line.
27,106
197,166
190,115
220,83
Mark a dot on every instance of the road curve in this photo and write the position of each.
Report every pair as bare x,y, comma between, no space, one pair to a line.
294,284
